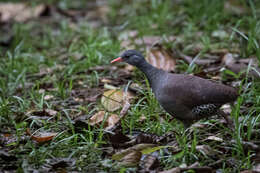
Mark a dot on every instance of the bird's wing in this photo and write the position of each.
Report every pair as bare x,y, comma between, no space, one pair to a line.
194,91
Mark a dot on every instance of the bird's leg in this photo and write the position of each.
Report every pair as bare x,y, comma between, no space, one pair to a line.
227,118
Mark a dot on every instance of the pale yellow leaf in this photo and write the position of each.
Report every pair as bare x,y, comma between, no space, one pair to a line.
112,100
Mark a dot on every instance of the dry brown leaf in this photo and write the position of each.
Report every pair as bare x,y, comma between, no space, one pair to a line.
99,117
132,159
112,120
139,147
161,58
41,136
113,99
19,12
150,162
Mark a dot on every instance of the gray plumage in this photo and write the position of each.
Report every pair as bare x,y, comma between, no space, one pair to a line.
185,97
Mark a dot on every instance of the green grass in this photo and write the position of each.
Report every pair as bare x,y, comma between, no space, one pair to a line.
54,59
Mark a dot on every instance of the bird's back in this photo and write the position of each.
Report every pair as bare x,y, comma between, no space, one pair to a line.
193,91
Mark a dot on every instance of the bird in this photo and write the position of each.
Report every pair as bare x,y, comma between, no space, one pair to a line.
185,97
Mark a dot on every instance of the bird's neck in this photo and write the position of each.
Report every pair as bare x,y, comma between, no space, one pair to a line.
151,72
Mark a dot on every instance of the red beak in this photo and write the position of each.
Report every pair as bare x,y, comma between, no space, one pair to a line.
119,59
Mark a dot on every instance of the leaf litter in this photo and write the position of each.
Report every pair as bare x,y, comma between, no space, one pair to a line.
158,57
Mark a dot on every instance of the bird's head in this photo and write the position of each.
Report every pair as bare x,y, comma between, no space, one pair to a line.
132,57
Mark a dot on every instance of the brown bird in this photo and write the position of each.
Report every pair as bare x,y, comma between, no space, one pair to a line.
187,98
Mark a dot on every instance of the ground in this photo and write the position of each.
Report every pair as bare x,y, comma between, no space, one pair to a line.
56,82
